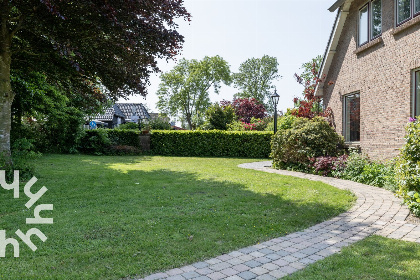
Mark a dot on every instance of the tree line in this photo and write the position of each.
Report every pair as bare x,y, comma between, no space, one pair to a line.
184,91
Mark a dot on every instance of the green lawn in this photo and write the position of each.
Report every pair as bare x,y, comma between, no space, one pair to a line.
375,257
118,217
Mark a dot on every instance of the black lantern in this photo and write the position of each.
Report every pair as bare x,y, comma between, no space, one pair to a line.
275,98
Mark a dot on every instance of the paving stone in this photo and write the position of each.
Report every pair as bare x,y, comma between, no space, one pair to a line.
156,276
234,277
241,267
229,271
235,261
188,268
273,256
176,277
278,273
270,266
204,271
252,263
190,275
220,266
216,276
266,251
200,265
266,277
235,254
247,275
246,257
263,260
259,270
175,271
202,278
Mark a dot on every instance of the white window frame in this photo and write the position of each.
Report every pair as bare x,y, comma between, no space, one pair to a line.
346,130
416,93
370,37
413,14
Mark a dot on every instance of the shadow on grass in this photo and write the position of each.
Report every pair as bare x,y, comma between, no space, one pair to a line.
112,223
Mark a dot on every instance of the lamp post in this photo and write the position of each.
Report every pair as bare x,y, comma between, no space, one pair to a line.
275,98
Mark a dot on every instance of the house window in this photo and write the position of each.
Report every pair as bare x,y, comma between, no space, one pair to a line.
416,94
406,10
370,21
352,117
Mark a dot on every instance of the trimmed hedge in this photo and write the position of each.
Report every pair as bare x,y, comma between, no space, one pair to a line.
212,143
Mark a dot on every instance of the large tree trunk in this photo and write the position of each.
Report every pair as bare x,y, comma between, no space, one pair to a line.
6,97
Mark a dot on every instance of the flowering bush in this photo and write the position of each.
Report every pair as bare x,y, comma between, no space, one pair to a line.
326,165
254,125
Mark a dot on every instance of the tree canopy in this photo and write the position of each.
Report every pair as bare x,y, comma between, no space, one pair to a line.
255,77
79,45
184,90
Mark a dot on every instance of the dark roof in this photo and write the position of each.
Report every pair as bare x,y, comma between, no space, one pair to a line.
108,115
123,110
138,109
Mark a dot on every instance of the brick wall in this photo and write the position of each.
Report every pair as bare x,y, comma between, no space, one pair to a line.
382,75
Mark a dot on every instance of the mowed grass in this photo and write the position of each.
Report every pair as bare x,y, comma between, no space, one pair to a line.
375,257
121,217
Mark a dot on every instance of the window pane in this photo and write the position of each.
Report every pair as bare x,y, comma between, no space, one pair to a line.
417,95
416,6
377,18
403,10
352,118
363,25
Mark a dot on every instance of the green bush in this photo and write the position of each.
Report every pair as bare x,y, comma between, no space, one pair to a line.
110,142
129,125
159,123
408,168
95,142
124,137
216,143
359,168
304,140
218,117
283,122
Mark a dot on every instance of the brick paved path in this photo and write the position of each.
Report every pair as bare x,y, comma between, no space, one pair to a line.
377,211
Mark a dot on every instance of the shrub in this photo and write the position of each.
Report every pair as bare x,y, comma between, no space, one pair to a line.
110,141
283,122
215,143
408,167
124,137
306,139
325,166
95,142
129,125
359,168
254,125
218,117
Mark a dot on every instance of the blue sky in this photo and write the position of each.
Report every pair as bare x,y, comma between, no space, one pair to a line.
292,31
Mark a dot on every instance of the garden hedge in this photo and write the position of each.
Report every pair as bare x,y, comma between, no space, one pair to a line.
211,143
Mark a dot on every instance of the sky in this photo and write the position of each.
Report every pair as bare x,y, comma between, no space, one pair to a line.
292,31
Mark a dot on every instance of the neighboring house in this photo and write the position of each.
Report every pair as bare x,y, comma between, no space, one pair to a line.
120,113
372,72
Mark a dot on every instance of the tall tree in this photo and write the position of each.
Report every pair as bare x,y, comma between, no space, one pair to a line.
113,43
255,78
184,91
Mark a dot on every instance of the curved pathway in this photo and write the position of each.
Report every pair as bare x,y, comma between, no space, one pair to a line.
377,211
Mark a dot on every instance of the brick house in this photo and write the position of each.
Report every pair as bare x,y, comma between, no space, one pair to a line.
372,72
